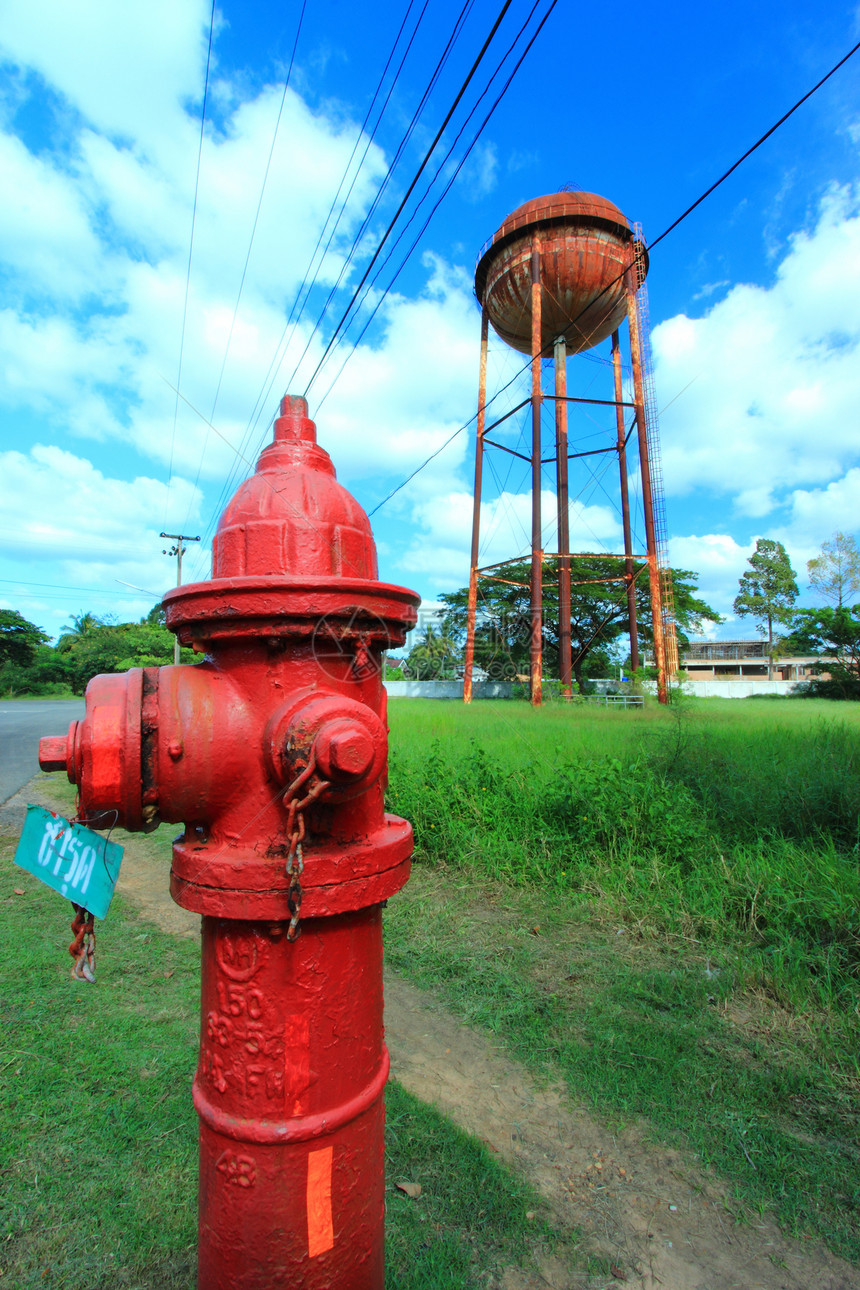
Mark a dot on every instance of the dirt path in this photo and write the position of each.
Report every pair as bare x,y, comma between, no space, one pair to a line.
661,1222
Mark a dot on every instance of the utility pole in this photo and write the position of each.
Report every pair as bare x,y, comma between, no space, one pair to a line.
178,550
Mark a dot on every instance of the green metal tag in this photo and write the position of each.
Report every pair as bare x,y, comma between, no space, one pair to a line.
78,863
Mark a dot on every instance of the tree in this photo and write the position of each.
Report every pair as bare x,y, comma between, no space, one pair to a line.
598,615
768,591
18,638
835,632
93,646
835,571
46,673
434,656
80,625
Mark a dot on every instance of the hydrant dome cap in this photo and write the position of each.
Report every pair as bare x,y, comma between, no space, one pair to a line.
292,517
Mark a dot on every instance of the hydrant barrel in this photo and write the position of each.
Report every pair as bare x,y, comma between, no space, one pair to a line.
289,1093
271,754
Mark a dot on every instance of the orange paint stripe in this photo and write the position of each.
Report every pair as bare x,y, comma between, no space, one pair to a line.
320,1231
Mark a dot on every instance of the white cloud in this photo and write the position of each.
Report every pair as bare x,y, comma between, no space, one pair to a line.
46,239
480,174
441,552
60,507
126,68
773,373
821,511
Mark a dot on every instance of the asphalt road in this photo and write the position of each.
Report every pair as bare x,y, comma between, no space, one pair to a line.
22,724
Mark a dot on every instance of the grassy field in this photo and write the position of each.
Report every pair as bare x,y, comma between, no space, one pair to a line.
664,908
98,1136
659,907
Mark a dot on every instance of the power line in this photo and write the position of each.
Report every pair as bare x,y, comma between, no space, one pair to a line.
452,178
358,138
651,245
190,254
446,189
250,248
56,586
416,115
411,187
751,150
365,223
271,374
259,205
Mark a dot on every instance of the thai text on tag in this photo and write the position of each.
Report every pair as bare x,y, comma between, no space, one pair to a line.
77,862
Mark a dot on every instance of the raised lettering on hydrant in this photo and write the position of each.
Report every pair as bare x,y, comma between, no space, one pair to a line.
272,752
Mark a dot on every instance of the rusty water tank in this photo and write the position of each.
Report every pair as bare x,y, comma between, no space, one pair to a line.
586,244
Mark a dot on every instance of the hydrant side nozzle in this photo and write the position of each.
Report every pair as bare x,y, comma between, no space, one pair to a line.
52,753
57,752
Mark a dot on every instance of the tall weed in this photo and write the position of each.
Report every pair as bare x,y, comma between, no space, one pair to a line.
744,837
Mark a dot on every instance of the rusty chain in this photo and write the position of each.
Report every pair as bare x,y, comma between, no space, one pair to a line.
83,947
296,807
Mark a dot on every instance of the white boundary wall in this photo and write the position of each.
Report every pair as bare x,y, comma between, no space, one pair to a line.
447,689
738,689
729,689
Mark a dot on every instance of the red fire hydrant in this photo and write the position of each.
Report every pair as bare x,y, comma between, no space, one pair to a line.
272,753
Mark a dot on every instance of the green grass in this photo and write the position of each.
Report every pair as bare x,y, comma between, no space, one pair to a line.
652,1033
98,1136
693,878
471,1214
661,908
733,827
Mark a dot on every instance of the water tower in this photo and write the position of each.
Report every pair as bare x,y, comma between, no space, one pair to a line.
561,275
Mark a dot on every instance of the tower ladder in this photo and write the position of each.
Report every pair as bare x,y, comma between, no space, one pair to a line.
655,464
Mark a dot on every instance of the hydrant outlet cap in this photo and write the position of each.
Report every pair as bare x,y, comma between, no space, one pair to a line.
345,750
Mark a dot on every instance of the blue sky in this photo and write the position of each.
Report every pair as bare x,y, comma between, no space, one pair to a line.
754,299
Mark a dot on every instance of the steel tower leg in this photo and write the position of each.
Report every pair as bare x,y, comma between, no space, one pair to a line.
647,496
625,504
469,660
560,364
536,650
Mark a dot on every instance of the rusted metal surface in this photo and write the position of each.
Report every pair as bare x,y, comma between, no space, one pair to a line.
647,497
558,277
585,249
564,655
272,753
83,947
625,503
536,647
469,658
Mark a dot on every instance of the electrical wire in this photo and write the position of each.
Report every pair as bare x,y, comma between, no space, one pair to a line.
428,154
448,185
271,375
416,115
387,178
57,586
259,207
190,255
248,255
474,141
651,245
299,301
654,243
294,318
751,150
